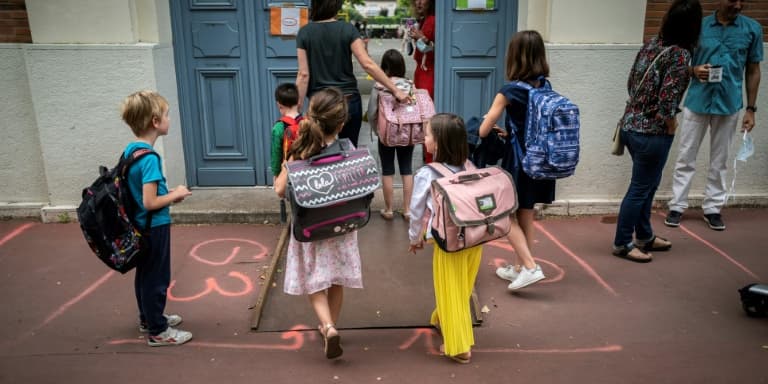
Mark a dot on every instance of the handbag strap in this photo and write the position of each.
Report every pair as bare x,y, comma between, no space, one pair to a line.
655,59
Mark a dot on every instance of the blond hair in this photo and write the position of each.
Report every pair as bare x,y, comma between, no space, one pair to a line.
141,108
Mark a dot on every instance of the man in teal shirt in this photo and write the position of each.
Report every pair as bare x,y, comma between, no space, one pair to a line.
730,51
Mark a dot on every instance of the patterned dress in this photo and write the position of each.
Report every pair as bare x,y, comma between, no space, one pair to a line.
315,266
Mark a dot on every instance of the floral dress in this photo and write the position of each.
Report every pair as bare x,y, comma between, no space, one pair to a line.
314,266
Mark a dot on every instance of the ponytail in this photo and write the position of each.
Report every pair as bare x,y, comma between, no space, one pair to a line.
327,114
309,142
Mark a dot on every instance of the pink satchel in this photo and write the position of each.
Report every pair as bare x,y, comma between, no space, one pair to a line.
471,207
401,124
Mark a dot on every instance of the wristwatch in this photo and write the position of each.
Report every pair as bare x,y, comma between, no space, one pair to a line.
751,108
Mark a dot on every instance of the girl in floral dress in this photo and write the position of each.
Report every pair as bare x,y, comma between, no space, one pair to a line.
321,269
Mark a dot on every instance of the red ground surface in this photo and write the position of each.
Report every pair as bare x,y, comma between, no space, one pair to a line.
596,319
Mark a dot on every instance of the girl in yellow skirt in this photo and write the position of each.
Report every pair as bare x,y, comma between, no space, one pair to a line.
453,273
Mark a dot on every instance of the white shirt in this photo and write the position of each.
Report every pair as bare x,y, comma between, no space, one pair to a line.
421,201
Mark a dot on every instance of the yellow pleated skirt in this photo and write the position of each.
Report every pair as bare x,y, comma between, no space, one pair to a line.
454,276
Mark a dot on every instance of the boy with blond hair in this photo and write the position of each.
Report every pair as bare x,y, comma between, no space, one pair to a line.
146,112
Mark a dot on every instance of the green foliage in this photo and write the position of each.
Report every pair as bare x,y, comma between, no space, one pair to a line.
407,4
354,15
379,20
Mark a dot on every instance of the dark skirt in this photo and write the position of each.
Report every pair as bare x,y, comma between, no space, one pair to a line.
529,191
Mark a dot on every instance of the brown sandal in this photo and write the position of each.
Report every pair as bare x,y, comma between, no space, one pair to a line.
658,244
461,358
633,254
332,344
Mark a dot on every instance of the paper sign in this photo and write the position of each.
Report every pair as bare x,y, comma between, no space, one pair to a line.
466,5
287,21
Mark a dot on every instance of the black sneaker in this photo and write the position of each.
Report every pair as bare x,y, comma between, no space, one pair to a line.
715,221
673,219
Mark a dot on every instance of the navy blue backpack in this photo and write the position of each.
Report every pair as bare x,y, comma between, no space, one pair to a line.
551,133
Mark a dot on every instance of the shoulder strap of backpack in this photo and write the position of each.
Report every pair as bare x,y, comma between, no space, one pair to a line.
345,144
135,156
443,170
544,84
129,161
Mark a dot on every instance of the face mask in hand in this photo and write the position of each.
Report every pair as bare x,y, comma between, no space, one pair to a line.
423,47
747,148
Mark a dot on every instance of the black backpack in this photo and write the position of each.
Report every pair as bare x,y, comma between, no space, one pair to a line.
754,300
484,151
106,213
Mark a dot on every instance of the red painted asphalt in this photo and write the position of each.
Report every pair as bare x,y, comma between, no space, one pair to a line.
596,318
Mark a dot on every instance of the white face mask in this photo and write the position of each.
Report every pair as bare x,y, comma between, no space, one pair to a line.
424,47
747,148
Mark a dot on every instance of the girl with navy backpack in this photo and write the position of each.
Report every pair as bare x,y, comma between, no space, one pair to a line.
526,61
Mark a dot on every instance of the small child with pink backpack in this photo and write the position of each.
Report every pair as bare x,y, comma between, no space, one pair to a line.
399,127
463,207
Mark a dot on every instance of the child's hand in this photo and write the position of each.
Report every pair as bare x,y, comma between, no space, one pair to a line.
416,247
499,130
180,193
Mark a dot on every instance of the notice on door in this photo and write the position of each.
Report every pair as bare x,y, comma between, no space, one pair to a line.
474,5
287,21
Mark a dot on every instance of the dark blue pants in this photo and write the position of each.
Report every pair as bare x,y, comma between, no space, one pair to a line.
351,129
153,275
649,154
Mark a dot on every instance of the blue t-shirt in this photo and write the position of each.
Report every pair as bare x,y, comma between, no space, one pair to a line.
147,170
732,46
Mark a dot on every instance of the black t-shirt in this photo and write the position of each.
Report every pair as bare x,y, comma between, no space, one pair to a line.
329,54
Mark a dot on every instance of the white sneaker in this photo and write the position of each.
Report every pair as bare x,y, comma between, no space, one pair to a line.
171,336
173,320
507,273
526,277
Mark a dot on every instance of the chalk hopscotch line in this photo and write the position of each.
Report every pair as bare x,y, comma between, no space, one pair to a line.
15,233
294,334
588,268
427,335
603,349
719,251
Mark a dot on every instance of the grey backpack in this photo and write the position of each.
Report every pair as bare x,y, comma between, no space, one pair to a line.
331,192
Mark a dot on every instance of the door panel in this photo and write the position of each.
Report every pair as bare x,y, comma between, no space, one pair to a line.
211,46
469,63
277,55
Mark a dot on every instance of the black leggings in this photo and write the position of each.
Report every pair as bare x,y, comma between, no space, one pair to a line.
404,159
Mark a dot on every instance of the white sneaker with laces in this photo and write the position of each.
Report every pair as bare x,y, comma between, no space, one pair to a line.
526,277
171,336
173,320
507,273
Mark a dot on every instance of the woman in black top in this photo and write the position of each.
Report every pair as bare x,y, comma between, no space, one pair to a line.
324,49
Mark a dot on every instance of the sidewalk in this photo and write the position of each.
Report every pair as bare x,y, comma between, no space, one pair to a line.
595,319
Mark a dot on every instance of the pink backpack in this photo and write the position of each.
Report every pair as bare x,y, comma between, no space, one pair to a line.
471,207
401,124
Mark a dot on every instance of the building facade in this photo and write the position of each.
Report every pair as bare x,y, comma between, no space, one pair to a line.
64,75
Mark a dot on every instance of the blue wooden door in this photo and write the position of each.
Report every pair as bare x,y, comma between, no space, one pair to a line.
227,67
470,49
211,48
276,55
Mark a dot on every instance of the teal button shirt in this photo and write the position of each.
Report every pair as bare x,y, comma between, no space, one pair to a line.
732,46
147,170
